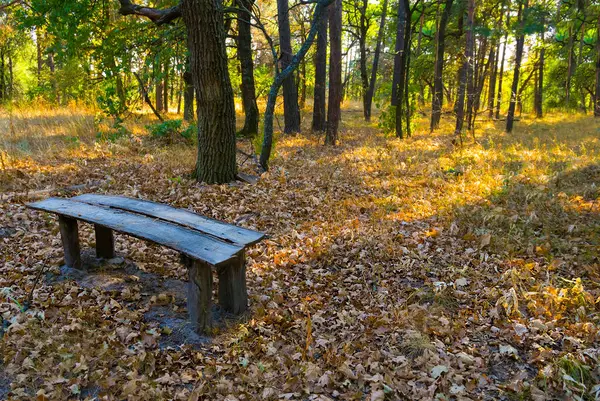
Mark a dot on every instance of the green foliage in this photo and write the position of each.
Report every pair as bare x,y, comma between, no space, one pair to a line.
172,129
387,119
113,134
110,102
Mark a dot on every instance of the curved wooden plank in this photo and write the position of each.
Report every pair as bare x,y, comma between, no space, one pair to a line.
223,231
190,242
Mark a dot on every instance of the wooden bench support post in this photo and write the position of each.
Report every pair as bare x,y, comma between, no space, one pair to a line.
199,300
105,242
70,240
233,295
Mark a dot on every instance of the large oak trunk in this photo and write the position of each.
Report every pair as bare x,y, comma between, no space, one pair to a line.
216,163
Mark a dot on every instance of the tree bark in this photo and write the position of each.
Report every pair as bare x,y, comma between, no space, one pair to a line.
518,57
291,111
319,122
436,105
466,82
158,88
400,62
267,144
597,95
371,91
188,95
216,163
501,78
335,72
362,49
246,60
539,98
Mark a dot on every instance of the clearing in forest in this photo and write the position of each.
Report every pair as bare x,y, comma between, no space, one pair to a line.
394,269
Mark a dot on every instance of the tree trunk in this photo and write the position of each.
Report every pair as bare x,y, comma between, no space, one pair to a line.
319,122
216,163
40,62
246,60
492,81
518,57
318,14
597,96
400,59
440,38
419,38
569,71
188,94
335,72
539,98
362,48
374,68
158,88
166,88
501,78
466,81
291,112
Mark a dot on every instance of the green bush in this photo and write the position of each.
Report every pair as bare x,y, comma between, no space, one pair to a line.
172,129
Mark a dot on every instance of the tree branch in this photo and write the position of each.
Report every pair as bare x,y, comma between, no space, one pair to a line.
156,15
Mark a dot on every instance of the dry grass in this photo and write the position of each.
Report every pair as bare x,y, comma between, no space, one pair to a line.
397,249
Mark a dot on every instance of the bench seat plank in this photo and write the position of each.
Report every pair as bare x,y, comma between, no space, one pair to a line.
223,231
194,244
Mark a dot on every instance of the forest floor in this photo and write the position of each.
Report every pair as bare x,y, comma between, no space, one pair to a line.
395,269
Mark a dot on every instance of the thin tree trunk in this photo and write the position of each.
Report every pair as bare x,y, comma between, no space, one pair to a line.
319,121
518,57
291,112
440,37
501,78
40,62
362,47
216,162
246,60
400,59
158,96
466,81
188,94
265,154
146,97
166,88
539,98
419,38
597,96
569,71
375,67
335,72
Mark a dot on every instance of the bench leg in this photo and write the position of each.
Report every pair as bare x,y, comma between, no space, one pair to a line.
233,295
105,242
200,295
70,240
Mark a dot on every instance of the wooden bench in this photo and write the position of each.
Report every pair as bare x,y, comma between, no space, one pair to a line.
203,243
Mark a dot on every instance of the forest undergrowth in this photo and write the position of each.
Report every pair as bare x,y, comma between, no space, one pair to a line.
395,269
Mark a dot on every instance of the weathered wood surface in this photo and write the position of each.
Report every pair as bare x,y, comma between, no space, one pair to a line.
233,294
223,231
69,234
105,242
194,244
199,299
